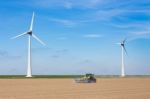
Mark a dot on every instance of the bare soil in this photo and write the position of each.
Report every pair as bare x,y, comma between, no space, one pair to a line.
105,88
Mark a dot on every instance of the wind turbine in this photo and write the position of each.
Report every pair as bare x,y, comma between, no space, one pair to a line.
123,49
30,34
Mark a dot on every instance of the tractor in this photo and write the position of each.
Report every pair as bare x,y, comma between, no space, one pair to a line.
88,78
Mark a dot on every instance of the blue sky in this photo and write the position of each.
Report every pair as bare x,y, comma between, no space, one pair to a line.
80,36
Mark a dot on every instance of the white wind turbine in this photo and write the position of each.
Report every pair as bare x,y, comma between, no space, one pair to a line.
30,34
122,44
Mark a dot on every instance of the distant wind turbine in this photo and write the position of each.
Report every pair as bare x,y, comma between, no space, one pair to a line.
30,34
122,44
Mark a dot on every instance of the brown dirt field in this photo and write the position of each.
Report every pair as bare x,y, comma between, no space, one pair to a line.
105,88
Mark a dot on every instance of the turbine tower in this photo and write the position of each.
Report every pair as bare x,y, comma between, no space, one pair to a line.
123,49
30,34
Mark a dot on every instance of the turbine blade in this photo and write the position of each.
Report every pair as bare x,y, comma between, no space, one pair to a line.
125,50
19,35
124,40
38,39
31,26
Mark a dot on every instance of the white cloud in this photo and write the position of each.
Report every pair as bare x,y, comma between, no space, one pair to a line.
105,11
68,5
93,36
65,22
83,4
142,32
145,33
135,37
121,14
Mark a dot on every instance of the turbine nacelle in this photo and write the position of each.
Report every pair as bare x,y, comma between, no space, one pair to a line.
122,44
30,33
